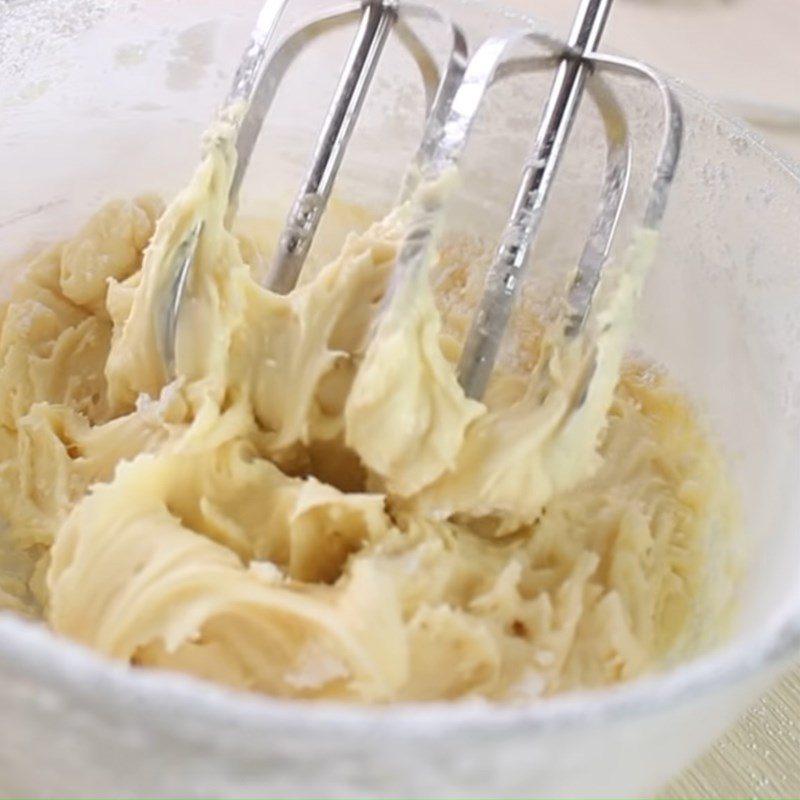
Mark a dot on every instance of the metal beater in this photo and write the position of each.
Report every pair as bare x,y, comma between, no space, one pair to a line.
454,96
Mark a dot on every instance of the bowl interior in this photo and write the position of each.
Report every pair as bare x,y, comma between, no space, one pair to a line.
720,306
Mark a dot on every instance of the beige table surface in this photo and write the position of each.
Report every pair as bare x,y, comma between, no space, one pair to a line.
744,53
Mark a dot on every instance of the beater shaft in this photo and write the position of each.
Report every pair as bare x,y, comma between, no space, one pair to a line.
307,210
513,253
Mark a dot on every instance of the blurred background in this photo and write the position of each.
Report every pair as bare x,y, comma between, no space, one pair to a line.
745,54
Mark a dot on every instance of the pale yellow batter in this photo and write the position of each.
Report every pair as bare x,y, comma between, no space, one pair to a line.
313,508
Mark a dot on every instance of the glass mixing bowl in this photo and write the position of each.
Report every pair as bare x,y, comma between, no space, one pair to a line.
102,98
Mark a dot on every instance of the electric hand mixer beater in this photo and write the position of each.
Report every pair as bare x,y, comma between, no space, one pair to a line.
454,93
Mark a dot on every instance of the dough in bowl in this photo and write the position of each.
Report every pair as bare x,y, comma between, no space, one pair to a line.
313,508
